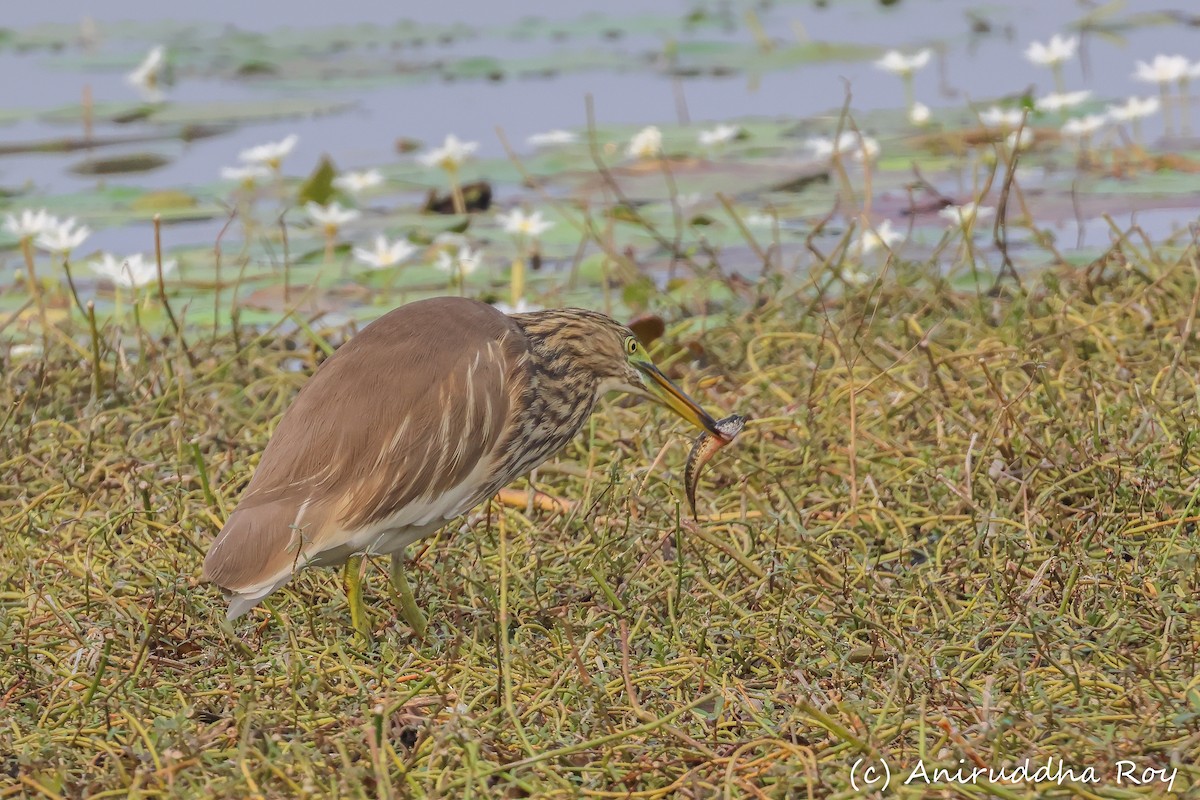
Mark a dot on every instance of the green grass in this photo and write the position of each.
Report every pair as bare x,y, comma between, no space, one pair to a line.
957,527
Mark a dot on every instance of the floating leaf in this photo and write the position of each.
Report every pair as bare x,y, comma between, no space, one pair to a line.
121,164
319,186
166,200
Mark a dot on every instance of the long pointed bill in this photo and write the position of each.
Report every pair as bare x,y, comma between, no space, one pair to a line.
673,398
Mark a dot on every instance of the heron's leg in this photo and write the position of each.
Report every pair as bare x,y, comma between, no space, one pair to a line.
408,604
358,612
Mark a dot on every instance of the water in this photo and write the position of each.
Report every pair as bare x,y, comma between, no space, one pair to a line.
969,65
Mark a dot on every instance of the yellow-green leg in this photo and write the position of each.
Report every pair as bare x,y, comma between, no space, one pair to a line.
408,604
358,612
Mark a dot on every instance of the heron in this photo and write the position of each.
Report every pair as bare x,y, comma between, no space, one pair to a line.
427,412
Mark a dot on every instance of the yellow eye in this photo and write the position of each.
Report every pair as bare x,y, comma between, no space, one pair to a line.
631,346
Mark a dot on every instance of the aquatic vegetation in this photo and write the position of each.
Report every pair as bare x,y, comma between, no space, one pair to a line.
148,76
271,154
449,158
130,272
356,182
646,143
63,237
384,253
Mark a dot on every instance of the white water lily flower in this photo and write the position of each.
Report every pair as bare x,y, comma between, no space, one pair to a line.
464,262
247,175
759,220
1134,108
518,223
855,277
385,254
451,155
355,182
147,77
646,143
722,134
1162,70
129,273
1084,126
848,143
1004,118
30,224
330,217
883,236
899,64
523,306
62,238
966,213
551,138
1026,139
270,154
919,114
1058,101
1054,52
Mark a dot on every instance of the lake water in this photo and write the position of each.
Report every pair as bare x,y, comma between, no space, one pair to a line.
978,56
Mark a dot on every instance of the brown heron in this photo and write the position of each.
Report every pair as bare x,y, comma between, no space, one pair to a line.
428,411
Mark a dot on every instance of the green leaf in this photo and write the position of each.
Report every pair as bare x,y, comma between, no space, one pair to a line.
319,186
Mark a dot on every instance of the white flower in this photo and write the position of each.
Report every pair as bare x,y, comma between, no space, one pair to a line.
450,155
330,217
646,143
24,350
759,220
1058,101
689,199
384,254
523,306
1162,70
1134,108
1013,143
1084,126
966,214
722,134
30,224
550,138
883,236
518,223
355,182
63,238
896,62
462,263
129,273
919,114
1056,51
247,175
855,277
1004,118
270,154
147,76
847,144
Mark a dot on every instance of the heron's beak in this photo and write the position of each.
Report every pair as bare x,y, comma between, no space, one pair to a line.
673,398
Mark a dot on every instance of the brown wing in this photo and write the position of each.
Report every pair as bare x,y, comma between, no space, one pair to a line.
402,413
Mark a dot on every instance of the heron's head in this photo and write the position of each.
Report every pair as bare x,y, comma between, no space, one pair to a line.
593,342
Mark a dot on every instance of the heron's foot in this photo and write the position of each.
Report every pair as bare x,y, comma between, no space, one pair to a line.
408,604
358,612
532,498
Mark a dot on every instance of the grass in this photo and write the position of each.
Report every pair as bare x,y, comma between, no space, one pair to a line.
959,528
